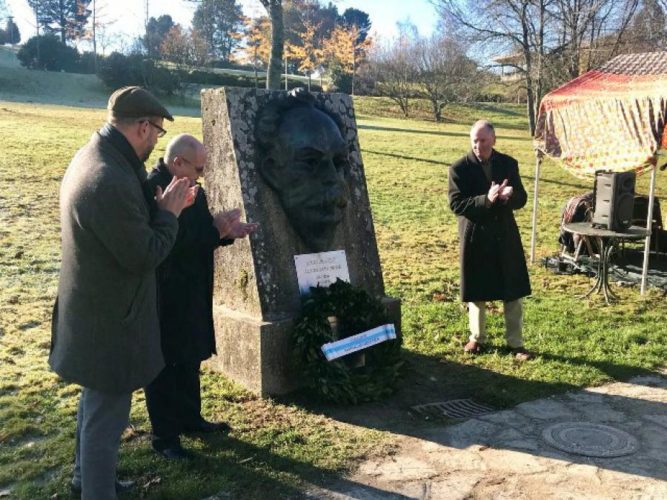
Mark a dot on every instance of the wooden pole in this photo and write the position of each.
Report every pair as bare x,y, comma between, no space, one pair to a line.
649,227
533,236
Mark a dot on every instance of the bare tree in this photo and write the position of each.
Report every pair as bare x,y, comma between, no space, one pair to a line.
105,38
511,25
552,39
443,71
589,32
98,33
648,30
392,65
275,10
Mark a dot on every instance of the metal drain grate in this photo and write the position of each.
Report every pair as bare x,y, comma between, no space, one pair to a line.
455,408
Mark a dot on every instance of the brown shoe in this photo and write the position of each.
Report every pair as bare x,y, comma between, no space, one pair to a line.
521,354
472,347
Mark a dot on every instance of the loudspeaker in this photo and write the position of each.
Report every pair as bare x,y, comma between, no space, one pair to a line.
614,200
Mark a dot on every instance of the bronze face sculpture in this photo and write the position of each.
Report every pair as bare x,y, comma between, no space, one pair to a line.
304,159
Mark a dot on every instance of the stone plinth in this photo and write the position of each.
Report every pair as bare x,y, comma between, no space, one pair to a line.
256,295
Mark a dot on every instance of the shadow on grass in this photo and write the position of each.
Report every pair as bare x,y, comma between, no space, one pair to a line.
480,109
559,183
404,157
500,110
246,468
446,164
221,466
431,380
439,133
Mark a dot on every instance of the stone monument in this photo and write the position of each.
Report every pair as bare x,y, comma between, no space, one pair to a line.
292,163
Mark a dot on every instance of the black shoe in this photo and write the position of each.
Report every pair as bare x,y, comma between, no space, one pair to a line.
121,487
521,354
209,427
173,452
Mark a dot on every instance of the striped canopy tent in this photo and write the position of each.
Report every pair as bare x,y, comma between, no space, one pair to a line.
612,118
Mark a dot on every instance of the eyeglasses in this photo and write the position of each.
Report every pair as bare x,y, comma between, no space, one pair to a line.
197,167
160,131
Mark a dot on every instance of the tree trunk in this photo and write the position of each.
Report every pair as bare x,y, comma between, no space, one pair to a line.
436,109
256,79
94,36
530,104
63,23
353,67
39,39
530,95
286,73
439,106
277,41
403,103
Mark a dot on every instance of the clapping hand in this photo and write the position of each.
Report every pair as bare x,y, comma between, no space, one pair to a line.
506,192
241,229
501,192
175,197
495,190
191,195
229,225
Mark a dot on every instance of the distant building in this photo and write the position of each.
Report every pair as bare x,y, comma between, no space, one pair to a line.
512,67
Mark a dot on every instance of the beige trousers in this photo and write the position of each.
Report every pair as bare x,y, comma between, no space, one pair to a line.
513,312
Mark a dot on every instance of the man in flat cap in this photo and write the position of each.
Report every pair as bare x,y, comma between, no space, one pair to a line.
105,331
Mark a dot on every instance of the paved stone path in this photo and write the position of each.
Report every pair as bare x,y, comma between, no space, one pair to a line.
504,455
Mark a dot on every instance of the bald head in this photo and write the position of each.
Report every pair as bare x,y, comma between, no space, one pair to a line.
483,124
182,144
185,156
482,139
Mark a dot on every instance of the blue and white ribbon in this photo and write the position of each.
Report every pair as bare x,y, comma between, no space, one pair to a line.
334,350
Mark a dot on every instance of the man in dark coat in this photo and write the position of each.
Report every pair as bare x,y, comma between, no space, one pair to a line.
185,290
484,190
105,331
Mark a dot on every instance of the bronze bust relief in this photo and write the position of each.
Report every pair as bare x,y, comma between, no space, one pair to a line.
304,159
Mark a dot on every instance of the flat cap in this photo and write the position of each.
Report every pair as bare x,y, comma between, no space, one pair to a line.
135,102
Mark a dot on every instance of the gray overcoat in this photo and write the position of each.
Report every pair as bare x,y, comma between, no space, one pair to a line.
105,330
493,265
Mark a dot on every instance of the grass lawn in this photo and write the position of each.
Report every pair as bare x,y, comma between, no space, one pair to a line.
277,446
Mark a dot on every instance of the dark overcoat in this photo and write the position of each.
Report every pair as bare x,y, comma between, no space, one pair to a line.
493,265
105,331
185,280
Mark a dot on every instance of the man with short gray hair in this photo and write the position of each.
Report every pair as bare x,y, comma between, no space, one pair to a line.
185,289
105,330
484,190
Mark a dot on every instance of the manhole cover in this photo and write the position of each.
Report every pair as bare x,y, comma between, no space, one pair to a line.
455,408
591,440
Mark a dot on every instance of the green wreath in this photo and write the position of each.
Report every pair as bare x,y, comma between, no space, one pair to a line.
355,311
